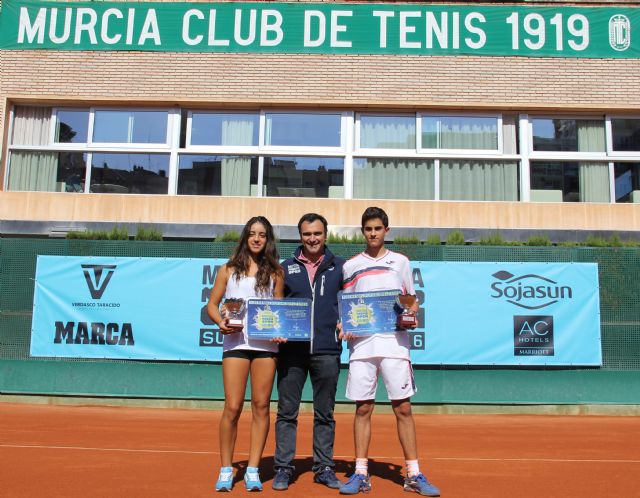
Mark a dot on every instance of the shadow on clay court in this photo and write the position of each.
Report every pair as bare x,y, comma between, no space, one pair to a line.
382,470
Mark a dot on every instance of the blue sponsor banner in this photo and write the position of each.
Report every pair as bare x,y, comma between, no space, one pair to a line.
124,308
507,314
470,313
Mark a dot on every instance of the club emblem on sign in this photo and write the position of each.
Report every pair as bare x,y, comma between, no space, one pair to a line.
619,32
361,313
266,319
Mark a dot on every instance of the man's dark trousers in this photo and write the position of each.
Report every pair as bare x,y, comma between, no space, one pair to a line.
323,369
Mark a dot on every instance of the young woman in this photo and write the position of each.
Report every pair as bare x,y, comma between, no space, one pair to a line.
252,271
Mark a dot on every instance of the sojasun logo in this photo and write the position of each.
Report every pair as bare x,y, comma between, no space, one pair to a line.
529,291
98,277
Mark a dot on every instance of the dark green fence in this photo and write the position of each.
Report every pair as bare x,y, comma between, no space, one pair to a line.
617,382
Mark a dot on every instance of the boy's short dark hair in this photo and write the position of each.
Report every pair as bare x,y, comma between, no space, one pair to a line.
371,213
310,218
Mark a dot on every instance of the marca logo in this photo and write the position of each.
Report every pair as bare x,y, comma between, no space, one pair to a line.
98,277
529,291
619,32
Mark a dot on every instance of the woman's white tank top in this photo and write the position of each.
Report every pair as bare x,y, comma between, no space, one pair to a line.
245,289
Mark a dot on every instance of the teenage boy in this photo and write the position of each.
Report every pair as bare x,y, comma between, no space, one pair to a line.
314,273
385,353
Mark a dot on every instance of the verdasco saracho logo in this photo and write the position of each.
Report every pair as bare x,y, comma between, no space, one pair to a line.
529,291
93,275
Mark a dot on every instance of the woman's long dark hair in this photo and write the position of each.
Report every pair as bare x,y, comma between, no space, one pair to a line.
268,259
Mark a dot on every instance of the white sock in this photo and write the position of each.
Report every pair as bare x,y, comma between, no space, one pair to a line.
413,469
362,466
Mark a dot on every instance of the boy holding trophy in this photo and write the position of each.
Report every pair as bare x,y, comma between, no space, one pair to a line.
384,352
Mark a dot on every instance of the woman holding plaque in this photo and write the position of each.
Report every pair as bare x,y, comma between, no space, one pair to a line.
252,272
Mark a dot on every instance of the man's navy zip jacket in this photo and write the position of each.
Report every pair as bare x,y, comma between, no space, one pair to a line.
323,292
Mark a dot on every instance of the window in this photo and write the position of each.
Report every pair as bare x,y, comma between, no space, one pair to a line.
393,178
568,135
129,173
387,132
47,171
304,176
209,128
556,181
218,175
302,130
326,154
627,182
626,134
31,125
71,126
460,132
473,180
130,127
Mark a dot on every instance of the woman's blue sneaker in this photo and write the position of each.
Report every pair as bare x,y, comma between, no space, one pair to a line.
355,484
419,484
225,479
252,479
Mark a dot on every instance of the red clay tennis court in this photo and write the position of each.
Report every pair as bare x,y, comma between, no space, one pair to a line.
87,451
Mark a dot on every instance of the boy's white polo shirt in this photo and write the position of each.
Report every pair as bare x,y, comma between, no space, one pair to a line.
362,273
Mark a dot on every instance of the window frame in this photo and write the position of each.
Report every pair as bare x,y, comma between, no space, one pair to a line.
616,155
302,150
54,126
465,152
243,149
383,151
566,155
262,172
166,145
194,152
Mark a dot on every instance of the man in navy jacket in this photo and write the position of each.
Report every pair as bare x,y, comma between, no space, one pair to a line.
313,272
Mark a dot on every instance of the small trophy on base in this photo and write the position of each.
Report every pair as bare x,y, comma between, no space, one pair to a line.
407,318
233,309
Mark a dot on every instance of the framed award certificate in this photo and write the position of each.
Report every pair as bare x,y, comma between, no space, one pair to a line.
287,318
366,313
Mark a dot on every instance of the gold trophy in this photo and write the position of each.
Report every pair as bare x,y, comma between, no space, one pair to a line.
233,309
407,318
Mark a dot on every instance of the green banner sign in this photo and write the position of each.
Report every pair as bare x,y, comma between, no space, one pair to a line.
335,28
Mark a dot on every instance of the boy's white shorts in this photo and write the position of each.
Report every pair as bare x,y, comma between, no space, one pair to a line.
397,375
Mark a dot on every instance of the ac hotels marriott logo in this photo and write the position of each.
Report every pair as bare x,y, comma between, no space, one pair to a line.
98,277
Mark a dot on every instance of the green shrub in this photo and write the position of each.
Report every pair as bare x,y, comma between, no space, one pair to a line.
89,235
614,241
98,235
334,238
230,236
433,240
411,239
118,233
593,241
538,240
455,238
143,233
568,243
494,239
